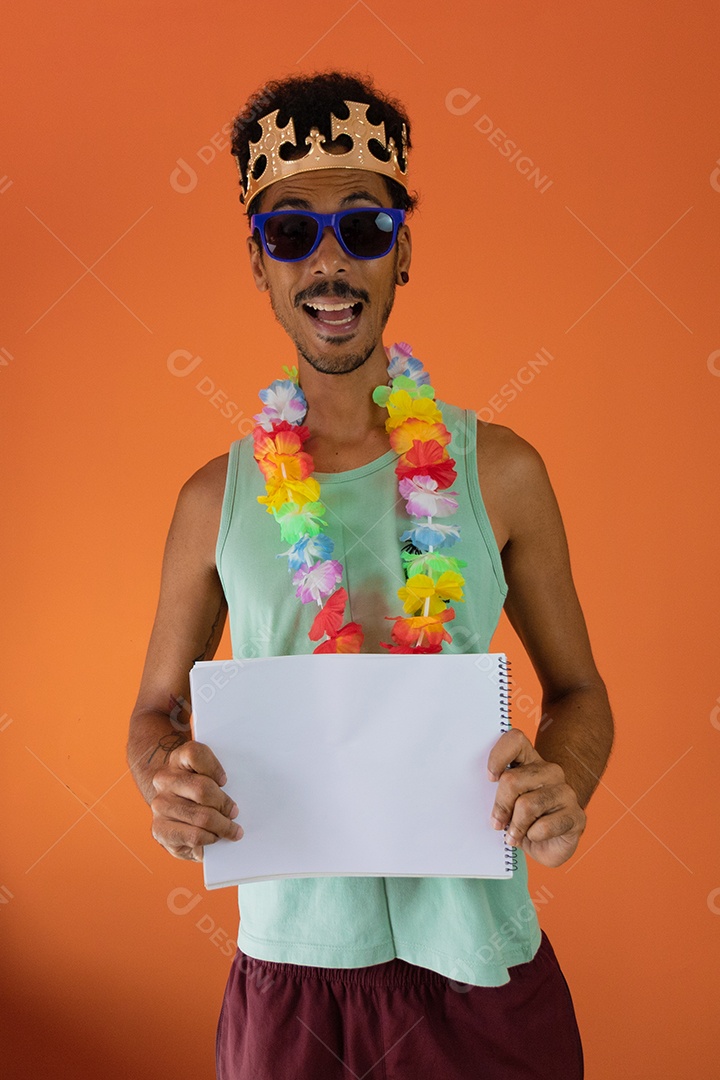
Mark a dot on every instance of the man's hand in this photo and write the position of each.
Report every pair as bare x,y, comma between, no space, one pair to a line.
534,802
190,808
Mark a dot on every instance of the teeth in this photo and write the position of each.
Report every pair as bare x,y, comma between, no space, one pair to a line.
330,307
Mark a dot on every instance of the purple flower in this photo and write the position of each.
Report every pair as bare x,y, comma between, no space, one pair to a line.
319,581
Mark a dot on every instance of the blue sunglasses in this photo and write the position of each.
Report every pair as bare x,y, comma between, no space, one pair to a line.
292,235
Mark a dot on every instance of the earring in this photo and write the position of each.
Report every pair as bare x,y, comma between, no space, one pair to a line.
405,277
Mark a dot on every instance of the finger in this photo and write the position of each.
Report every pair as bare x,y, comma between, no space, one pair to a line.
550,826
210,822
515,782
533,805
513,745
181,841
192,854
199,758
195,787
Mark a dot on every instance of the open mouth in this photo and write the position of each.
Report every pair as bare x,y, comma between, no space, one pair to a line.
336,315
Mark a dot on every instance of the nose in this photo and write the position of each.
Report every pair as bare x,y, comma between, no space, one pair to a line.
329,256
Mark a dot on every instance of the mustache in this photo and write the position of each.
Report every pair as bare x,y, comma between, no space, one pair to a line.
339,291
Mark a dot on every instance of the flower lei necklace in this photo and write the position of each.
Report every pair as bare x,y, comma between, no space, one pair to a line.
425,471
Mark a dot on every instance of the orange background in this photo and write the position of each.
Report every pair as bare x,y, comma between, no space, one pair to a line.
125,242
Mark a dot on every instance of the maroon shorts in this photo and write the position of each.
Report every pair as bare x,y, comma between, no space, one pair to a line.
396,1021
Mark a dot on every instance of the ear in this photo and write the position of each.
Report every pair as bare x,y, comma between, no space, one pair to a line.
257,264
404,253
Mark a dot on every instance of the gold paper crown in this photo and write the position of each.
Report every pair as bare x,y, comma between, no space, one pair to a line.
361,156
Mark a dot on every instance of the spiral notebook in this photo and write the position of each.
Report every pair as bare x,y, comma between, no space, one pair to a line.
367,764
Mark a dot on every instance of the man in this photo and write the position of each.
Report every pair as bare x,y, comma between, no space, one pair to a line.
415,977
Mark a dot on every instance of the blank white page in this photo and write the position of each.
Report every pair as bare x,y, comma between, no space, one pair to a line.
362,764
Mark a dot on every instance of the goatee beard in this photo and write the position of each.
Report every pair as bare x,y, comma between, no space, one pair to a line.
337,365
343,363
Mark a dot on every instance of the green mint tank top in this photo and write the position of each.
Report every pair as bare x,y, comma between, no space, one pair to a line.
468,929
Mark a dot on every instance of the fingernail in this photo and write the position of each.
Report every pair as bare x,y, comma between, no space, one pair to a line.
238,834
491,775
235,810
496,823
223,778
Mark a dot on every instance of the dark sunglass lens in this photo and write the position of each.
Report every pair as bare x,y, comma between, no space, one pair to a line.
290,236
367,233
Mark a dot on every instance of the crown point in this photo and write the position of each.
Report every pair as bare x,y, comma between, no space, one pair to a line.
357,127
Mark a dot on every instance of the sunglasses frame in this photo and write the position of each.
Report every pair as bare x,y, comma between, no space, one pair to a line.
257,221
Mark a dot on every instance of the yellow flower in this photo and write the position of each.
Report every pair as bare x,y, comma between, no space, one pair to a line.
401,407
423,594
281,489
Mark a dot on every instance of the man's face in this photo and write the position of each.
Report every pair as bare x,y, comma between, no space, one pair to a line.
366,287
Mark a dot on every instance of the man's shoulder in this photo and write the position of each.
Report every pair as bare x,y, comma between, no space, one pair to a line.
208,482
201,498
512,479
506,453
199,508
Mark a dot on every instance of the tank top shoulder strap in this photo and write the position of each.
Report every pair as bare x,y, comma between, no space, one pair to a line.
462,425
229,497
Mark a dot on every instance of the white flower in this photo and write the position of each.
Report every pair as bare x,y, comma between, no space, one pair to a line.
283,400
424,500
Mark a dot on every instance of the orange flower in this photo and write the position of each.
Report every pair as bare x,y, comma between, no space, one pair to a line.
290,466
430,629
413,430
347,640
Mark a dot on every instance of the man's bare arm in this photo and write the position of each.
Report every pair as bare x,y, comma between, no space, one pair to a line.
543,803
179,778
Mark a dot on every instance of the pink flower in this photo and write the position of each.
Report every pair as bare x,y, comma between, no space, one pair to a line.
317,582
400,350
402,362
423,499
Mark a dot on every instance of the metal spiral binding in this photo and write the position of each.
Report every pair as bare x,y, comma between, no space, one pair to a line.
504,678
511,858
